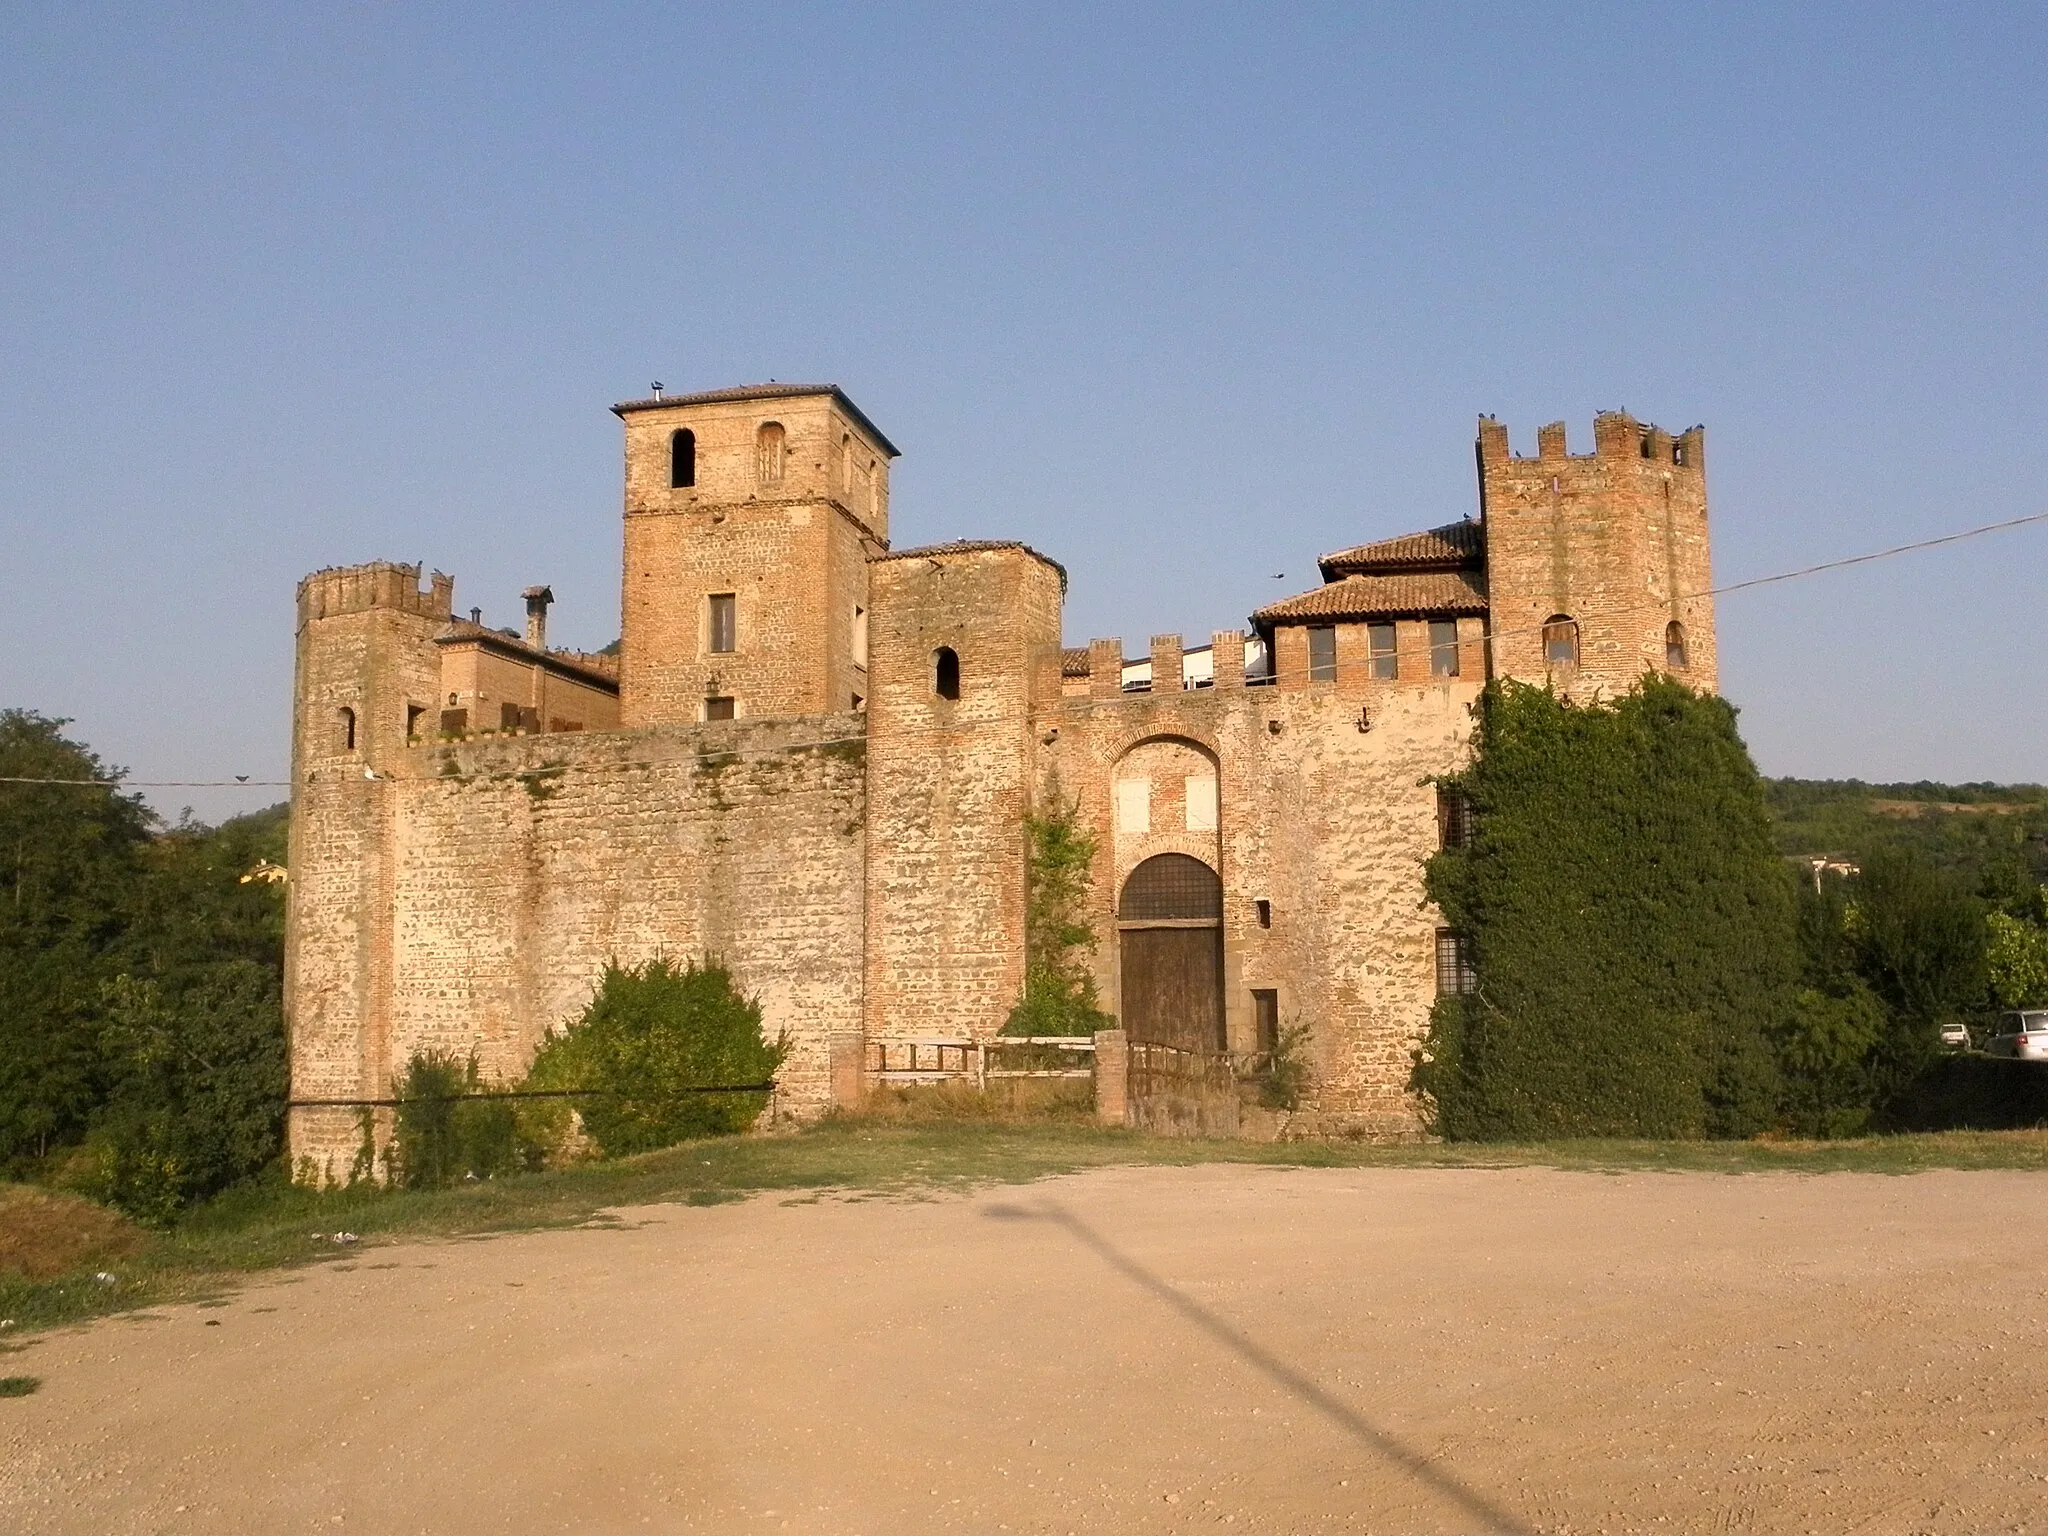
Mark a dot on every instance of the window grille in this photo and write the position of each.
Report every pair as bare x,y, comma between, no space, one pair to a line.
1453,817
1171,886
1455,975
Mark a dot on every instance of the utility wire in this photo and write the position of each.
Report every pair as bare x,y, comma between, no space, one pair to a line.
1490,636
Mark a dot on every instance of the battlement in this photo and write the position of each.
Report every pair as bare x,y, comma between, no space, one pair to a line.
1229,659
380,584
1616,435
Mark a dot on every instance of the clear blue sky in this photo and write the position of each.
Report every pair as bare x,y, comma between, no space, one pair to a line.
1181,295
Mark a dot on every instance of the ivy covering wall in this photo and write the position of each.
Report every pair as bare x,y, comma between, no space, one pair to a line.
1632,925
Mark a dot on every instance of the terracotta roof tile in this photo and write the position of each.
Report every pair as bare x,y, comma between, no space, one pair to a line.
1074,661
1372,597
761,392
1447,548
970,547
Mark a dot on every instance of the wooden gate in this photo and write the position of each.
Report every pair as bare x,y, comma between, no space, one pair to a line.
1170,933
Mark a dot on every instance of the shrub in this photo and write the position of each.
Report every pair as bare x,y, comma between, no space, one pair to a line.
1632,925
650,1036
442,1134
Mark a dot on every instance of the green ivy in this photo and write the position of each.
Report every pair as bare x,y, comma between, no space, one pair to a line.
1632,926
1059,985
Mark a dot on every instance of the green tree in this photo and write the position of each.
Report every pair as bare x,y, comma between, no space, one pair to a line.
1060,997
651,1035
2016,962
70,861
1632,926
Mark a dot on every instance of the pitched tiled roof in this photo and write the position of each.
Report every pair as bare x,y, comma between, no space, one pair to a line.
970,547
1448,548
602,672
1374,597
762,392
1074,661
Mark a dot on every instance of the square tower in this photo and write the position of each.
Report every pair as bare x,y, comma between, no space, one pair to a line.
1597,565
750,515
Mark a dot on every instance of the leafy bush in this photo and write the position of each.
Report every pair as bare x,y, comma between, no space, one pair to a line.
196,1081
2016,962
443,1133
652,1034
1059,987
1632,925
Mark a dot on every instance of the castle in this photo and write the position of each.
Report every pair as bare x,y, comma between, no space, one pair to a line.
813,756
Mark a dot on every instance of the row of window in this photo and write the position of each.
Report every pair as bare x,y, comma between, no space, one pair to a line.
1560,648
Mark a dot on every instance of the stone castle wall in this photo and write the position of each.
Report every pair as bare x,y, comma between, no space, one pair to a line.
511,870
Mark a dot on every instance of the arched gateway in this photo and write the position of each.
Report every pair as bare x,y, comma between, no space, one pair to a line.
1170,931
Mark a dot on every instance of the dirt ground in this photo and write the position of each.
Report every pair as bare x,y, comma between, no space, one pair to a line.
1215,1348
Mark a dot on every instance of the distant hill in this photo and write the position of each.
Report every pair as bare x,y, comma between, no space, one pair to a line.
1995,833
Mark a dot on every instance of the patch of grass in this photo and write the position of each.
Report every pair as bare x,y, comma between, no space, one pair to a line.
273,1224
19,1386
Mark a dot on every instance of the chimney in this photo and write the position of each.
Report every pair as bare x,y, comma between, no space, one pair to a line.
537,600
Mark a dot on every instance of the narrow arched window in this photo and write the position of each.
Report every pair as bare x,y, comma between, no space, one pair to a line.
682,458
1560,641
946,672
1674,646
347,718
768,452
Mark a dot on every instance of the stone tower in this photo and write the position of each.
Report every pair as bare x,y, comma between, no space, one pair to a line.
368,676
750,517
1597,566
966,642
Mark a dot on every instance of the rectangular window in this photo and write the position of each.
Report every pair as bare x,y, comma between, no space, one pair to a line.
1453,817
860,637
1201,792
1455,976
1322,653
718,707
1134,805
1443,647
1379,645
1266,1016
723,628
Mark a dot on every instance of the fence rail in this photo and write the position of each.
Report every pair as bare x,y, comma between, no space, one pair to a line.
528,1093
936,1059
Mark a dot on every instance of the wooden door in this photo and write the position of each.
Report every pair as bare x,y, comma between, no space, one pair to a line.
1173,986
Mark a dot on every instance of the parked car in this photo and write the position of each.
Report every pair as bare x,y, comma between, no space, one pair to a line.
1955,1035
2022,1035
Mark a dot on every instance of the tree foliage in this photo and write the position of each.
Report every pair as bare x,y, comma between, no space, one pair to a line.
140,1008
1631,923
1060,997
651,1035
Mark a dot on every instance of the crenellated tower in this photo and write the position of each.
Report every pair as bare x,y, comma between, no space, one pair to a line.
367,680
1597,565
750,517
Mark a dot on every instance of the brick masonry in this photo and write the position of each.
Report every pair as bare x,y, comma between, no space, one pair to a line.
852,843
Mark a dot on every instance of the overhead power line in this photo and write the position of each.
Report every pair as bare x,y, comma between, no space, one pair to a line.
1492,635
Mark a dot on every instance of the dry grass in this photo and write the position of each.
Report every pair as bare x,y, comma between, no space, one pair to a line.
1013,1101
44,1234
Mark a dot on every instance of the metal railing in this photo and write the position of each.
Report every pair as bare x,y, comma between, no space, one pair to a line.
939,1059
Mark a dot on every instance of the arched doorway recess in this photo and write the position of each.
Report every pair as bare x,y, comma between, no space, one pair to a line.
1170,944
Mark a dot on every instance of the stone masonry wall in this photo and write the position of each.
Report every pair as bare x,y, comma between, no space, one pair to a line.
1328,824
518,867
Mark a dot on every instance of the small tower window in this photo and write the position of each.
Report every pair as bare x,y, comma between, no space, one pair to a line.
1560,641
718,707
1674,646
682,458
721,628
1322,653
1443,647
860,637
347,719
946,672
769,444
